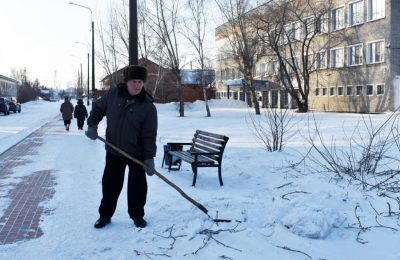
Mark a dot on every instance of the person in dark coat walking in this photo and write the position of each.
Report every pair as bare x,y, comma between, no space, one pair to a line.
131,126
80,113
66,110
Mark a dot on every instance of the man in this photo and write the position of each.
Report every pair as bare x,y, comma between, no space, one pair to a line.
131,126
66,110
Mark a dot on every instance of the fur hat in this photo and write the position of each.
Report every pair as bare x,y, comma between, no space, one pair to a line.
135,72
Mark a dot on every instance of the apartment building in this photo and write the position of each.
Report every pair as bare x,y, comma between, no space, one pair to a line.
357,68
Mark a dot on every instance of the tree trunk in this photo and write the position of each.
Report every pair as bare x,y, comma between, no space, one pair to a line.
181,103
206,101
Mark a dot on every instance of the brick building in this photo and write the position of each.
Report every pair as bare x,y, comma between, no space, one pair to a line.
161,83
358,69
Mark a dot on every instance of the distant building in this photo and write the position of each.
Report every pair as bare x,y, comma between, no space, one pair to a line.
161,83
8,87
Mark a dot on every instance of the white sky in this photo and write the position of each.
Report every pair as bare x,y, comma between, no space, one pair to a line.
40,35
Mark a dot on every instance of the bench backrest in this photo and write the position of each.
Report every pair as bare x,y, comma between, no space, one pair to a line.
206,142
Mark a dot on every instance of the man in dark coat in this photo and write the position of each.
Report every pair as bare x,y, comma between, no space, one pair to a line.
66,110
80,113
131,126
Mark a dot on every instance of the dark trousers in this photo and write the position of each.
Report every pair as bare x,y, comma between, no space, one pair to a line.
67,122
113,180
81,122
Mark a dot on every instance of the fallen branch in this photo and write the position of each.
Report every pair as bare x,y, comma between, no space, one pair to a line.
286,184
293,192
170,236
138,253
294,250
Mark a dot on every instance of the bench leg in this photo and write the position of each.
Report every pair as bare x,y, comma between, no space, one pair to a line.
194,169
220,176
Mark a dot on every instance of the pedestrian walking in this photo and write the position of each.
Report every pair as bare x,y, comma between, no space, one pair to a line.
131,126
66,110
80,113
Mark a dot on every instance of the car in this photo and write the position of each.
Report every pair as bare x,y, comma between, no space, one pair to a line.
54,99
4,106
14,105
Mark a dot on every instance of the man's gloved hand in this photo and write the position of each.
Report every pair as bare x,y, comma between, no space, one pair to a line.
91,132
149,163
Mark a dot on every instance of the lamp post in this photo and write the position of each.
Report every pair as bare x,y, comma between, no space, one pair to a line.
80,80
93,76
88,91
133,33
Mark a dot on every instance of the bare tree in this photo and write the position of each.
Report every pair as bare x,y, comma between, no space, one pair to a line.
164,21
242,40
195,34
288,30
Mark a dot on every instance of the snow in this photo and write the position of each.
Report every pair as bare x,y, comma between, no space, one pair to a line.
272,209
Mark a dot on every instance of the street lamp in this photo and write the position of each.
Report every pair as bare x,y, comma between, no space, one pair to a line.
91,18
80,80
88,91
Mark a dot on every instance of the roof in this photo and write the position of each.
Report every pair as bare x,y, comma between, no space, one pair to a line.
8,79
193,77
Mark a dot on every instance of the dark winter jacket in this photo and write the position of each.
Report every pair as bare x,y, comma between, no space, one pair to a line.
66,110
80,111
131,121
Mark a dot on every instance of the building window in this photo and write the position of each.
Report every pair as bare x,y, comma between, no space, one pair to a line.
309,28
349,91
356,13
337,18
337,58
355,55
380,90
359,90
323,23
324,92
340,91
375,52
370,89
317,93
376,9
321,60
331,91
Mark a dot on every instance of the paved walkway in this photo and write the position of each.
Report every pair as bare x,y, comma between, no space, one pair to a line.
21,219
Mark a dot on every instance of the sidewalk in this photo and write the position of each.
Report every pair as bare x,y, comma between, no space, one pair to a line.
21,219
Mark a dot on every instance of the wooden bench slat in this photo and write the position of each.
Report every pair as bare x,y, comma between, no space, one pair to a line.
205,143
210,140
211,134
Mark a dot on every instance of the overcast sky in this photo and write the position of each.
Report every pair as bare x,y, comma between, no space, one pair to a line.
40,35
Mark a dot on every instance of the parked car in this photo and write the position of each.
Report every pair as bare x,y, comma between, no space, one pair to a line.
14,105
54,99
4,106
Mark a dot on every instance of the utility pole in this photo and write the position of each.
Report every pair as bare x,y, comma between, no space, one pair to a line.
133,33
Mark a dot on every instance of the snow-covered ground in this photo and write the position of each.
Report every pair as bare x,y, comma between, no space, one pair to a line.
275,213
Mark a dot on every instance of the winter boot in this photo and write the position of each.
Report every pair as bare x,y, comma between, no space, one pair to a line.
140,222
102,222
67,127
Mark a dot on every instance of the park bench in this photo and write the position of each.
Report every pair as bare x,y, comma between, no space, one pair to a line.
206,150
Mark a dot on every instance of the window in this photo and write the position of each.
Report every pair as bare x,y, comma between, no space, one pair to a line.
309,27
324,92
340,91
337,57
337,18
322,23
375,51
359,90
321,60
370,89
317,93
356,13
355,55
349,91
296,30
376,9
380,90
331,91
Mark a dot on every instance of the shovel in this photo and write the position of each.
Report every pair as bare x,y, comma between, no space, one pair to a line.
198,205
